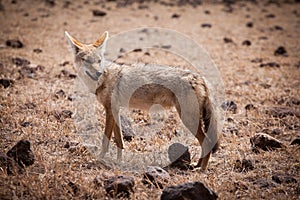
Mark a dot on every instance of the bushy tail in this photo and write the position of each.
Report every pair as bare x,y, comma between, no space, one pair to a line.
211,124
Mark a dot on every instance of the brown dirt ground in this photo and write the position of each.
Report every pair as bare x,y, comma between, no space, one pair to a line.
40,25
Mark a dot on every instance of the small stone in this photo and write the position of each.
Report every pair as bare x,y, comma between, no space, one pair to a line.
14,44
229,106
206,25
26,124
37,50
249,24
156,176
175,16
127,130
296,141
265,142
20,61
257,60
270,16
269,64
280,51
276,27
60,93
244,165
191,191
281,178
179,156
66,73
6,82
227,40
246,43
22,153
119,186
99,13
249,106
50,3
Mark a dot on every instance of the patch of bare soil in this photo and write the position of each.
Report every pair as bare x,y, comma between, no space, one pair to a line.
255,44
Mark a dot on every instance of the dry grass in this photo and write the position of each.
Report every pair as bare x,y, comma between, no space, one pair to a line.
58,169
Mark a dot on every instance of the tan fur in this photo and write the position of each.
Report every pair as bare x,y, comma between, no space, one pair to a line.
141,86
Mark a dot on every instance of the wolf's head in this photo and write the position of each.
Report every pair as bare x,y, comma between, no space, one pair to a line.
89,58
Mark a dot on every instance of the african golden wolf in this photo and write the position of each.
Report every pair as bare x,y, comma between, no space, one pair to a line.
142,86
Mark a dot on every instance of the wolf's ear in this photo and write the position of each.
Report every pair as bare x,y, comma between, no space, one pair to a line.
102,40
74,44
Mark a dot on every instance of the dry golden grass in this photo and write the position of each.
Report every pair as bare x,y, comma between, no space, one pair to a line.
57,169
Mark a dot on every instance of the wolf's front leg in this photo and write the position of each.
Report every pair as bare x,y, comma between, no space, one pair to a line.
109,125
118,137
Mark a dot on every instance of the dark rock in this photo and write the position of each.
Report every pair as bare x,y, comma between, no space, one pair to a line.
207,12
22,153
265,142
257,60
50,3
119,186
72,97
66,73
64,63
269,64
249,24
229,106
246,43
156,176
297,65
296,141
206,25
190,191
6,82
2,8
14,44
279,28
166,46
60,93
227,40
175,16
26,124
282,178
270,16
250,106
282,112
9,165
244,165
20,61
127,130
137,50
99,13
280,51
179,156
37,50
